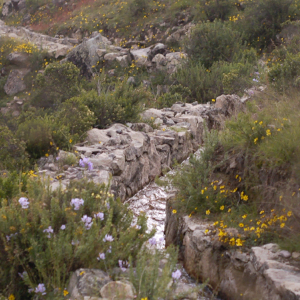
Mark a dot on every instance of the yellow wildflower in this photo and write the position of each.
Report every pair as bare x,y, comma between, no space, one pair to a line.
222,207
208,212
174,211
11,297
66,293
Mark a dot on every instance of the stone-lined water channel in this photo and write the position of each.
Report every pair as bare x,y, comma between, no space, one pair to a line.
152,200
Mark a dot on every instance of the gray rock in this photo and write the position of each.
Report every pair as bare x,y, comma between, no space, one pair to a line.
285,254
123,60
85,55
118,290
20,59
141,56
87,283
15,83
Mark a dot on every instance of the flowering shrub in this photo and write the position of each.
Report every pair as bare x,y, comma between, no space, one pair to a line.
45,235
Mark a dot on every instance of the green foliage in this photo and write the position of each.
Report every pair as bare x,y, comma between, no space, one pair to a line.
12,151
211,42
58,83
36,133
284,74
76,116
191,179
148,277
217,9
11,183
208,84
121,105
263,18
49,257
138,7
168,99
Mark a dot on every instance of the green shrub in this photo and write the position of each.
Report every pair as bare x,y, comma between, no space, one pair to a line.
284,74
12,151
217,9
262,20
76,116
121,105
149,278
58,83
36,134
167,100
49,238
211,42
191,180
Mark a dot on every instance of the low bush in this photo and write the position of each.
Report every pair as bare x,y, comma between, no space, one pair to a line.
120,105
58,83
284,74
212,42
12,151
262,20
207,84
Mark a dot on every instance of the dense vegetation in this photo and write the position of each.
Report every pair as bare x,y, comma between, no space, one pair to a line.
247,175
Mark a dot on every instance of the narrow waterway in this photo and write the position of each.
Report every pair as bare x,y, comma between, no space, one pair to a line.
152,200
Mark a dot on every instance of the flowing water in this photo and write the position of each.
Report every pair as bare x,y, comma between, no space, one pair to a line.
152,200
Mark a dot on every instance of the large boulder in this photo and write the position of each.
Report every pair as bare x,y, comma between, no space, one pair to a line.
118,290
19,59
85,55
15,81
87,283
141,56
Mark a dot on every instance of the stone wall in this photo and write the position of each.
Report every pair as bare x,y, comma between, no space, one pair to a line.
132,155
259,273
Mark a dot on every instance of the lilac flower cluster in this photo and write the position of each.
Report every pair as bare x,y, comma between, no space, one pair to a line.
49,230
176,274
108,238
40,289
77,203
86,163
24,202
152,241
87,222
8,237
123,265
101,256
63,227
99,215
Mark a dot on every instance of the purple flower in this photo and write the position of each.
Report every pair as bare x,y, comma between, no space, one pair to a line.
99,215
176,274
90,166
30,290
152,241
107,205
86,163
109,249
57,158
40,289
108,238
22,274
77,203
8,238
138,227
123,265
24,202
49,230
88,222
63,227
101,256
255,80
